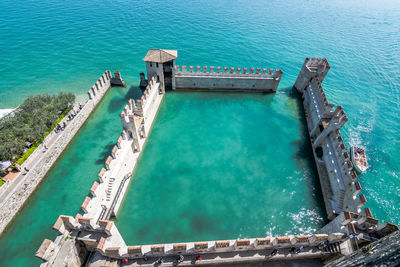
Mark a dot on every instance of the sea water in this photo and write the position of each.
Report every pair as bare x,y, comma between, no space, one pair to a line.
53,46
223,166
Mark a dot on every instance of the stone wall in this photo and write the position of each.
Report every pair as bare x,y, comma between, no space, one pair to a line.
341,190
227,79
40,163
384,252
137,118
104,238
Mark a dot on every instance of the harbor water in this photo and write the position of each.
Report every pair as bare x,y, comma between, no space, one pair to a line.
223,166
52,46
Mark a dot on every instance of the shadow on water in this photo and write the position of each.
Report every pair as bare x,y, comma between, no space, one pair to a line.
266,98
104,155
304,153
116,103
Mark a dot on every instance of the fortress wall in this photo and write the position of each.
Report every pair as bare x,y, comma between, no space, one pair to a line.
110,178
341,190
334,166
41,160
227,79
105,240
221,246
137,118
340,193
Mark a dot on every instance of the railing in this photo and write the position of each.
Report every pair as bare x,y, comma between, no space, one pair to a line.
115,200
101,216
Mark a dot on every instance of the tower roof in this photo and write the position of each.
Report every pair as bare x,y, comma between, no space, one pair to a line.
160,55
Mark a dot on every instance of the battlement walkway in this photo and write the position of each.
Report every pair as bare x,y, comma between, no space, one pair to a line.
310,256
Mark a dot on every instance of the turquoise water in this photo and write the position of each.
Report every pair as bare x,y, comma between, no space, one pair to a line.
223,166
49,46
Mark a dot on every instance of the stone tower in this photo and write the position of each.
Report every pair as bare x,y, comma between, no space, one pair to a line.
314,67
160,63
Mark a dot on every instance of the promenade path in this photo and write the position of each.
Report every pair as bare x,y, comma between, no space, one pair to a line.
12,192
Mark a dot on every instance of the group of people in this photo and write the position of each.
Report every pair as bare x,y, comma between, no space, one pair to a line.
295,250
326,246
72,114
180,259
160,260
60,128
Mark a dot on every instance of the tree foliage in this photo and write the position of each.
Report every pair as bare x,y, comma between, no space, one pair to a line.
30,121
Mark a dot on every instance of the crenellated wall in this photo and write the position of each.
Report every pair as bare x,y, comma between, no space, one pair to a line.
137,118
340,188
204,247
226,79
103,237
98,235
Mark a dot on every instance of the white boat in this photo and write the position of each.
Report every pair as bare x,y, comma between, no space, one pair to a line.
359,159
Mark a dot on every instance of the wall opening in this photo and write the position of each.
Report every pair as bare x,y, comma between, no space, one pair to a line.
167,69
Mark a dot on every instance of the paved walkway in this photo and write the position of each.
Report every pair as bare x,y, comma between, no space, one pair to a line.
30,163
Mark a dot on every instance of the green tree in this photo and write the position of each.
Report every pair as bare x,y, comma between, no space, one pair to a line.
30,121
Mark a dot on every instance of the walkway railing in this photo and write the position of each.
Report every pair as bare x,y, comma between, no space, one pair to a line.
115,200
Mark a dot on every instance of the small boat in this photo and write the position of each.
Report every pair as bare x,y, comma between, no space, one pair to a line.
359,159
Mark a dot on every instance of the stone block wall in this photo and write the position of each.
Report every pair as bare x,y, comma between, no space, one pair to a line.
227,79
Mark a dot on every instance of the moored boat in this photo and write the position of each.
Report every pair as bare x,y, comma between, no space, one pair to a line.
359,159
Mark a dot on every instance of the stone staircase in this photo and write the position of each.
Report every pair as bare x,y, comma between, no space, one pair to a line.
109,188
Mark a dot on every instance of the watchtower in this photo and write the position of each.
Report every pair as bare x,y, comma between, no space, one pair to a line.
161,64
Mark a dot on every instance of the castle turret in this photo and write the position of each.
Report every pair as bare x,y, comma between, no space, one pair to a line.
314,67
160,63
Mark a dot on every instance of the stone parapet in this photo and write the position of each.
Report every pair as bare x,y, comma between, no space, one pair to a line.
93,188
226,79
85,204
117,79
260,243
135,251
225,71
222,246
44,250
